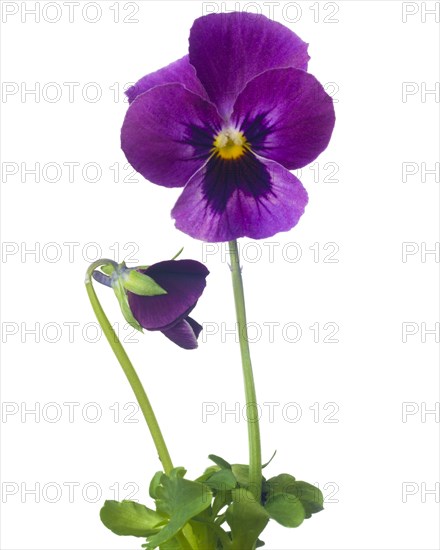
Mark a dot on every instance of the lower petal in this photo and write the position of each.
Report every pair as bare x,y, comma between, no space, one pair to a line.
184,333
250,197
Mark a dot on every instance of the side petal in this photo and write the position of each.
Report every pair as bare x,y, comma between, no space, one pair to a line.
251,197
184,281
180,72
167,134
184,334
229,49
286,115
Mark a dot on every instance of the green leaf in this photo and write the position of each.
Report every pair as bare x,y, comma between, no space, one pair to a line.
180,499
285,497
130,518
208,473
220,461
172,544
246,518
241,473
281,484
310,496
221,481
154,484
205,531
141,284
286,509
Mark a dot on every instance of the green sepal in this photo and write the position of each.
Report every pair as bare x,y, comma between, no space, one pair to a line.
141,284
122,297
130,518
178,254
269,461
107,269
179,499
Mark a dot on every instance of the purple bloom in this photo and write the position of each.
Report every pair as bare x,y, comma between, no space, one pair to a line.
227,122
184,281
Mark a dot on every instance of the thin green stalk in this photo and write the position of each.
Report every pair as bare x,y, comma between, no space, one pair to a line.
186,535
129,371
255,475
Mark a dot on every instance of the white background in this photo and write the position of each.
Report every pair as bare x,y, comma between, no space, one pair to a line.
367,441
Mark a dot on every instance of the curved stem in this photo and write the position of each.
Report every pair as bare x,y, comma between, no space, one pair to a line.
255,475
127,367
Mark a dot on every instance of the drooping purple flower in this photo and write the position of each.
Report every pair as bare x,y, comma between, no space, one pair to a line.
227,122
184,281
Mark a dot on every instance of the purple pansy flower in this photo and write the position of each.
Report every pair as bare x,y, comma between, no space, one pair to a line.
227,122
184,281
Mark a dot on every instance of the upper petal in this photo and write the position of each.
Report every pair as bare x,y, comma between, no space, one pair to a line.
286,115
229,49
167,134
184,281
180,71
251,197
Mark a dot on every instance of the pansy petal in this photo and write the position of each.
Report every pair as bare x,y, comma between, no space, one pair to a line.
184,281
197,329
180,71
229,49
286,115
183,334
249,197
167,134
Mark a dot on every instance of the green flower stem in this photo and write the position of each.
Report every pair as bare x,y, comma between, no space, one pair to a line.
127,367
255,475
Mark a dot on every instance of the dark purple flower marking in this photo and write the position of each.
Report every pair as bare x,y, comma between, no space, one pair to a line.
184,281
227,123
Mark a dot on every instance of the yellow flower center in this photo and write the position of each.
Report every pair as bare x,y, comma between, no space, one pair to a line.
230,144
